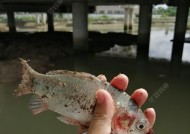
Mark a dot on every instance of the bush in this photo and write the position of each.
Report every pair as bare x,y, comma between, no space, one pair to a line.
170,11
25,18
102,18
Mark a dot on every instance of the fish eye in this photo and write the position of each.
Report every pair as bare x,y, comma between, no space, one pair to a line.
141,124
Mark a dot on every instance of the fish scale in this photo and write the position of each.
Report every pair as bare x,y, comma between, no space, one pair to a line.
73,96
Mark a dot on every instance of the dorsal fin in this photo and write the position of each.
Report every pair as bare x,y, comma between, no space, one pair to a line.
73,73
37,105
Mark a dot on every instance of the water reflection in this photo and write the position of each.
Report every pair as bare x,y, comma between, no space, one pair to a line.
186,54
172,105
160,44
160,47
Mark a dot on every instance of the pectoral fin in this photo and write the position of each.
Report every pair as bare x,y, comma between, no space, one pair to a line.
37,105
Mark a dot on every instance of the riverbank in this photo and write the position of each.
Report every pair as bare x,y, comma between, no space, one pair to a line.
102,24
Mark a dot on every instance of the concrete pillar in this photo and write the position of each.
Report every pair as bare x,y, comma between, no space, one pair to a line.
131,19
179,35
80,26
145,17
41,18
128,18
44,18
11,21
38,18
50,22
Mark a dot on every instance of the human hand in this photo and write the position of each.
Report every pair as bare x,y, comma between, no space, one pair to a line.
104,110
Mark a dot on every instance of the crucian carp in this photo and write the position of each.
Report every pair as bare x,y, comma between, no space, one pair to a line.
73,95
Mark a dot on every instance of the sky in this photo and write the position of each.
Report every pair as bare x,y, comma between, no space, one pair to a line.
161,5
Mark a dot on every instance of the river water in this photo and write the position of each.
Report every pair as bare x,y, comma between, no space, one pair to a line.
168,91
168,94
161,45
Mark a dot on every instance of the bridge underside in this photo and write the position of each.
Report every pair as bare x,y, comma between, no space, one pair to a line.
65,6
104,2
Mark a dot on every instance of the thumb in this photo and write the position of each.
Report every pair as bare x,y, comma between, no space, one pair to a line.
102,117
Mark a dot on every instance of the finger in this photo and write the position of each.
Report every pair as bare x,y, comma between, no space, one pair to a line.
120,82
139,96
151,116
102,78
102,117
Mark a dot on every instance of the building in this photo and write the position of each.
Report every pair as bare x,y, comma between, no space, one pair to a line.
116,9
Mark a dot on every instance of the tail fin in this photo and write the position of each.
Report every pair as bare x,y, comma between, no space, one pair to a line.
25,87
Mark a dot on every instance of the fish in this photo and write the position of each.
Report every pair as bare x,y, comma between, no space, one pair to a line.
72,95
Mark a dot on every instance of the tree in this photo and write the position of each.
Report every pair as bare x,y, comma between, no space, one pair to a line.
164,12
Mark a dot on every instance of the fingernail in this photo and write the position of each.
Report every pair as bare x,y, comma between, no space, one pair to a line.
100,97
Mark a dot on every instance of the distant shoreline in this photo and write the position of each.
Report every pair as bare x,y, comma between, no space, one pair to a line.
113,26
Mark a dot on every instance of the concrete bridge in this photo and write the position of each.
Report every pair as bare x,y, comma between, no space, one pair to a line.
80,8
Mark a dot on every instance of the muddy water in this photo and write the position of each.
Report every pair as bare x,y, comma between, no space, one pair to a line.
168,94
